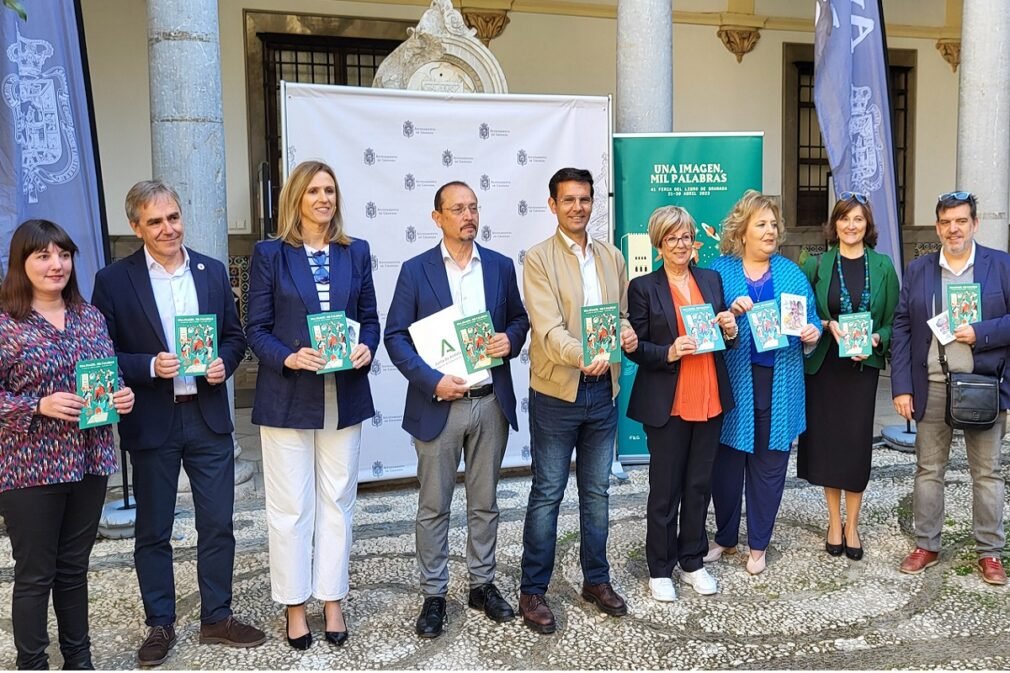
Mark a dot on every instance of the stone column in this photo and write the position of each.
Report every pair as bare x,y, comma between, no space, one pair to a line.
983,115
644,66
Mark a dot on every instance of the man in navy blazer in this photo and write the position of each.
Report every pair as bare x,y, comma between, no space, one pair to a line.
918,381
177,420
446,416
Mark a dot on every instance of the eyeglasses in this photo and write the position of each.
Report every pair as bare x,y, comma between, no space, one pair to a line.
569,201
958,196
460,209
319,262
674,241
860,197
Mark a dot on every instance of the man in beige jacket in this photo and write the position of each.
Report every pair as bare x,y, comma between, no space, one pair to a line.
572,404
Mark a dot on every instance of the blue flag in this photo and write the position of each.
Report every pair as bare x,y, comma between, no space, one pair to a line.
48,163
854,110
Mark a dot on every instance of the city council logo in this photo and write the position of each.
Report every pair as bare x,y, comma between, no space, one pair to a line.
522,158
485,233
377,419
522,257
524,356
524,208
375,262
408,182
369,156
411,233
44,124
485,182
370,210
377,469
484,131
376,367
526,452
408,129
525,405
447,158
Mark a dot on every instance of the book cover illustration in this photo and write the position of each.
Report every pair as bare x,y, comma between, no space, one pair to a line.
601,339
195,343
964,304
474,333
97,380
766,326
330,338
794,313
857,334
940,324
699,321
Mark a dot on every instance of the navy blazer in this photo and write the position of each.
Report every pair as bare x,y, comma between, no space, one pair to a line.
653,316
124,294
282,292
423,289
911,335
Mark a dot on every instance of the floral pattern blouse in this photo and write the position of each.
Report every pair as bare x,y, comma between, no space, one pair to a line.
36,360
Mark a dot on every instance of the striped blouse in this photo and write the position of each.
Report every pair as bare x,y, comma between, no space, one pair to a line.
36,360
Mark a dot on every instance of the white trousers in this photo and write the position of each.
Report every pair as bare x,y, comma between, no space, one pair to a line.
311,481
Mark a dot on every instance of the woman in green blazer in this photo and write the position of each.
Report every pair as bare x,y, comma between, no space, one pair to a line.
836,448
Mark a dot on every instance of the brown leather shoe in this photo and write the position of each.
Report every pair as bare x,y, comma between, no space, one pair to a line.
231,632
156,646
536,613
919,560
605,598
992,570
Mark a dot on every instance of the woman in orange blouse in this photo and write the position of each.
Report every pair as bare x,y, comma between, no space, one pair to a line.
680,397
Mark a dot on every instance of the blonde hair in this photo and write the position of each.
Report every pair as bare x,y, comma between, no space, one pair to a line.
735,225
667,219
289,214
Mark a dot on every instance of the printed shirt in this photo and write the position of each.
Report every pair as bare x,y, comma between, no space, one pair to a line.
37,360
175,295
466,286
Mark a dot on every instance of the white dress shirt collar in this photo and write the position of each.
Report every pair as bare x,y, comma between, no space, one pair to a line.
971,261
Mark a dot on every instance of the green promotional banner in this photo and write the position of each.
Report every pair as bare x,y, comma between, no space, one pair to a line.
706,173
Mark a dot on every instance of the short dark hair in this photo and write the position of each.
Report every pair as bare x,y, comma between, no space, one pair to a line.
31,236
570,175
841,209
438,194
948,201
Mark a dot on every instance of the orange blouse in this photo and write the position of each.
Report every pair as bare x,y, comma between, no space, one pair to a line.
697,396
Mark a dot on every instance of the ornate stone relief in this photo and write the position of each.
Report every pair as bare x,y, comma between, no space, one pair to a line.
950,50
739,40
442,54
489,24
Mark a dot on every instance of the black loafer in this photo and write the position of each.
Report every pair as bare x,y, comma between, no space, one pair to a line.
487,598
432,618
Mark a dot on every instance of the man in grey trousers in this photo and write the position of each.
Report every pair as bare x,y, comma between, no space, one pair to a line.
448,416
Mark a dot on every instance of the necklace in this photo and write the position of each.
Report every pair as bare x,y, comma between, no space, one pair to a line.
845,299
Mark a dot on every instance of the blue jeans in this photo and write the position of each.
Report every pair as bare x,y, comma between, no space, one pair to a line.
588,425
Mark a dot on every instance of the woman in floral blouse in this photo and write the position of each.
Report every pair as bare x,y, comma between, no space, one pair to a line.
52,474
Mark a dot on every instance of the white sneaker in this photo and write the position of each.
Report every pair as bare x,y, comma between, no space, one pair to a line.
715,552
701,581
662,589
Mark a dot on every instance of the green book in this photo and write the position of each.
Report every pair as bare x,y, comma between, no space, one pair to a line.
97,380
699,321
474,333
195,343
766,326
964,304
601,336
857,334
329,337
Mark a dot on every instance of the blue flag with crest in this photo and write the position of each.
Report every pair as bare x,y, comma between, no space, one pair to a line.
48,160
853,108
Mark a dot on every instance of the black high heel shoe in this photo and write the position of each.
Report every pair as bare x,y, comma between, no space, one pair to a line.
835,549
301,642
337,638
854,553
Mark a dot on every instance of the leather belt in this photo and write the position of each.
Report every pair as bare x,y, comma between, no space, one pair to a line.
181,399
596,379
479,391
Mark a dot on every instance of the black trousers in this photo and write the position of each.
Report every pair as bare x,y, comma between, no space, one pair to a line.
52,530
680,480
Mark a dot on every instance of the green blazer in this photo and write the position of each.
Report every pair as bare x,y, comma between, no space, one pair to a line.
883,299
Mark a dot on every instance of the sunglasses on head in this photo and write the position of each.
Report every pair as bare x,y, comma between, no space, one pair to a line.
959,196
858,196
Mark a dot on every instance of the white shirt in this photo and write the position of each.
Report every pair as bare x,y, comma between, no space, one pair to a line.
971,261
174,294
466,286
592,295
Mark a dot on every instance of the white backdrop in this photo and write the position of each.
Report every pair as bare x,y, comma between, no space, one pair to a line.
392,149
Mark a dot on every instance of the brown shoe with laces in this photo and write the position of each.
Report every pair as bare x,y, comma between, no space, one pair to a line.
992,570
231,632
919,560
536,613
156,646
605,598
